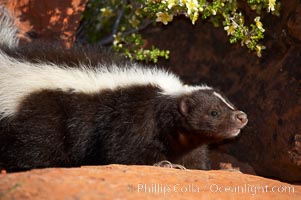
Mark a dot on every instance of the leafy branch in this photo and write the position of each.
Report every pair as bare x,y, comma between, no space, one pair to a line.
118,23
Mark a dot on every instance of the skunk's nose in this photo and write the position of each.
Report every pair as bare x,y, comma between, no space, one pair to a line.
241,117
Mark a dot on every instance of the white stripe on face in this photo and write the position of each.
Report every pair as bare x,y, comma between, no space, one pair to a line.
223,100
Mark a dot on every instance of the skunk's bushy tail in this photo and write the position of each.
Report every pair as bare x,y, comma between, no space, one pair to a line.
8,29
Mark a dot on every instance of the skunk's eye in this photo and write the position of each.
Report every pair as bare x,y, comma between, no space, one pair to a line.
214,113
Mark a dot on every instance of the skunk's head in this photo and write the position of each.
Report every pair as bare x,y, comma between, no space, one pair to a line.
211,116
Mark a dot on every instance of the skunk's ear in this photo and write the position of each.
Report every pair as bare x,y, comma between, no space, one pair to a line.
185,106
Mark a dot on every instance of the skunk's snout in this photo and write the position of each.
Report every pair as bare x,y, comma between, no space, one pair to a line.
241,117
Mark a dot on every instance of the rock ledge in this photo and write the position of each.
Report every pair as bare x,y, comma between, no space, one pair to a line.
140,182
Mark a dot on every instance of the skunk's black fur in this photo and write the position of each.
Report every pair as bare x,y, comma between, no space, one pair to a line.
129,124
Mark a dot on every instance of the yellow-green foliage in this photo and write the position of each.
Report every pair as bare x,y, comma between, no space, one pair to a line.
118,22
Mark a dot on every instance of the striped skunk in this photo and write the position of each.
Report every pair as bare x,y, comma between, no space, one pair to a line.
67,108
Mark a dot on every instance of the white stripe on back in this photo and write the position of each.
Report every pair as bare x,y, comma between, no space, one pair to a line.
19,78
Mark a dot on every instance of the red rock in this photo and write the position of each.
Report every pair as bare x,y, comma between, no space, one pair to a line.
140,182
54,20
294,24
